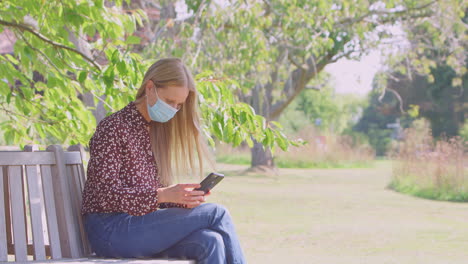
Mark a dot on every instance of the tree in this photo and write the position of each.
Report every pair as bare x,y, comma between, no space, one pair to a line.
72,57
431,71
275,48
382,111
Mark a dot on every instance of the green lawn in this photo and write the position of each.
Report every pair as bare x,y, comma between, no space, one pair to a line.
339,216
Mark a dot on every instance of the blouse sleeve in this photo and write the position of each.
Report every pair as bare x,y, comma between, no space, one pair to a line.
170,205
105,164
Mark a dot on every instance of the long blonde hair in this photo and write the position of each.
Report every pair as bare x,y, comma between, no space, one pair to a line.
178,143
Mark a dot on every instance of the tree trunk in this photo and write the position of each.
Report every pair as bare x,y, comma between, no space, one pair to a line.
261,157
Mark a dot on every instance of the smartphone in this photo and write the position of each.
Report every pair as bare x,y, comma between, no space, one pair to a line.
210,181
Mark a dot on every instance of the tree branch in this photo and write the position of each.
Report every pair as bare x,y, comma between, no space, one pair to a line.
297,82
397,95
293,61
346,54
7,111
45,39
348,21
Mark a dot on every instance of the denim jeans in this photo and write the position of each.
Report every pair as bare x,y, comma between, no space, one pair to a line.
205,233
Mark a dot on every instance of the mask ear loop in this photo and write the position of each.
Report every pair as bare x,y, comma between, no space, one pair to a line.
155,90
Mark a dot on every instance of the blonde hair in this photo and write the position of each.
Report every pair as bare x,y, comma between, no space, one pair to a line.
178,143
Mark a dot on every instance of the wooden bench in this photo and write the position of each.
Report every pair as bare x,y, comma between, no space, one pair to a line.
40,219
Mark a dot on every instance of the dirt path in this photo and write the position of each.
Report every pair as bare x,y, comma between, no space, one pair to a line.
341,216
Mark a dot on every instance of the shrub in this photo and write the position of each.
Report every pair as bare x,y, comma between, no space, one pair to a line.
464,131
431,169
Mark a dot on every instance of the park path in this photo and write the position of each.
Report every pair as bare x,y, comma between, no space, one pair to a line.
341,216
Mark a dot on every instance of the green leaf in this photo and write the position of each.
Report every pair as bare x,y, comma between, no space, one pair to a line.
109,76
82,76
133,40
243,117
282,143
237,139
122,68
28,52
218,131
9,137
4,88
249,141
115,56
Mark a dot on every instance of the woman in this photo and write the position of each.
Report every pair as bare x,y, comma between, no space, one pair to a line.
130,206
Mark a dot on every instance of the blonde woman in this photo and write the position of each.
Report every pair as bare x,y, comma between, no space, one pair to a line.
130,206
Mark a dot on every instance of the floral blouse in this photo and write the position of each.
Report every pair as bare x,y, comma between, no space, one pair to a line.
122,175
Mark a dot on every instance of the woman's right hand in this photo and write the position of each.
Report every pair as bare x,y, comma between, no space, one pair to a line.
182,193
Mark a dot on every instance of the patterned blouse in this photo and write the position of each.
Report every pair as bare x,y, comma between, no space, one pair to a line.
122,175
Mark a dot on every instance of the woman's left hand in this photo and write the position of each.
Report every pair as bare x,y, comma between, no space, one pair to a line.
204,200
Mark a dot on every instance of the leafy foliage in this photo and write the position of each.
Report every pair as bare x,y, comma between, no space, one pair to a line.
275,48
233,121
69,51
431,75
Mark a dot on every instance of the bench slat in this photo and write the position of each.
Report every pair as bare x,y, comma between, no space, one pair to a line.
6,192
8,158
75,176
52,226
19,231
79,180
72,158
35,201
118,261
75,197
3,222
76,186
67,223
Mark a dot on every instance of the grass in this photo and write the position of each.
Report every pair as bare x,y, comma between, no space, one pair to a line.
443,193
339,216
283,162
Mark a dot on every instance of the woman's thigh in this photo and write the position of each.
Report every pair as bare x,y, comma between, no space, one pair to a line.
143,236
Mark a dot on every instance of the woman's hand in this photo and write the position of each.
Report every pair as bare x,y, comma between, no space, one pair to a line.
182,193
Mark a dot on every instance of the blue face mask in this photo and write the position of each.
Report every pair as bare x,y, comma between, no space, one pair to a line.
161,111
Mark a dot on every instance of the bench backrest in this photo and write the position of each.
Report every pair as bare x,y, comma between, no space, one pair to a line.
40,204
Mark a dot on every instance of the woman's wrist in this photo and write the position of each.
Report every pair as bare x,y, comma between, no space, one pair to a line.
161,198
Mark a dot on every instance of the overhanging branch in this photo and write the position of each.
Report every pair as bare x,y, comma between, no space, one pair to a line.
45,39
297,82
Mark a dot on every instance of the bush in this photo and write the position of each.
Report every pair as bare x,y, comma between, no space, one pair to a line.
464,131
431,169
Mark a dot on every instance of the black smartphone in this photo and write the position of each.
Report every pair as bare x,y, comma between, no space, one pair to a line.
210,181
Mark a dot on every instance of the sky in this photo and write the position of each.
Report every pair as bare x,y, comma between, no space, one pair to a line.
355,77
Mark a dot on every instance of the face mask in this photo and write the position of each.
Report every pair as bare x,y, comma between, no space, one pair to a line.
161,111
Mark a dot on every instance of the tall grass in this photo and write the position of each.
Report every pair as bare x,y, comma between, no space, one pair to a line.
330,151
428,168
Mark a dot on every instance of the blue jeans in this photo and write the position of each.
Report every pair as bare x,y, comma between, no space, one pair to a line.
205,233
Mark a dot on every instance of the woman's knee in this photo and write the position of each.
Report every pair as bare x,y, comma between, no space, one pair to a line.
211,242
215,208
211,238
202,245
